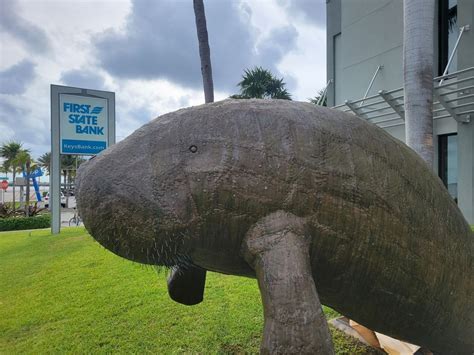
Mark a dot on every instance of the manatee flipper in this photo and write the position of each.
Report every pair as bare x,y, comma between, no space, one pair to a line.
186,284
278,250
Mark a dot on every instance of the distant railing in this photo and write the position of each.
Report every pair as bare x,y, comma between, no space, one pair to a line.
453,97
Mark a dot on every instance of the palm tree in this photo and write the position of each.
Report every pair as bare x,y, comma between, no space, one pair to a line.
9,152
260,83
5,168
204,51
72,172
179,282
68,163
44,161
418,18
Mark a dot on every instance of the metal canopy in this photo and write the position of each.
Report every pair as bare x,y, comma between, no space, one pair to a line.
453,97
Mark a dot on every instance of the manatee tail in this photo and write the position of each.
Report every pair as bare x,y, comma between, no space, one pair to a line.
278,250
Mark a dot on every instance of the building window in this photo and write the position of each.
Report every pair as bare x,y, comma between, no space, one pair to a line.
448,163
448,34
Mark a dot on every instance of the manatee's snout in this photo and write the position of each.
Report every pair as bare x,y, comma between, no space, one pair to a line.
117,206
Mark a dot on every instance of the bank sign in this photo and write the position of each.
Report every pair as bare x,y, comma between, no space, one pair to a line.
83,124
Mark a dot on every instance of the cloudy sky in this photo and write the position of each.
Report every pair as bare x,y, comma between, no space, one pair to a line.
146,52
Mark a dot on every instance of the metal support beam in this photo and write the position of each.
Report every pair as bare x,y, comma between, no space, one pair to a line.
324,94
390,101
450,109
353,108
453,100
371,83
463,29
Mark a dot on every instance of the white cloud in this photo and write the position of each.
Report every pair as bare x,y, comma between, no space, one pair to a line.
15,80
304,68
16,25
308,62
69,30
159,42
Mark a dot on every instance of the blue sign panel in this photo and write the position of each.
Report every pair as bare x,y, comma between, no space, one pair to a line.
34,174
83,124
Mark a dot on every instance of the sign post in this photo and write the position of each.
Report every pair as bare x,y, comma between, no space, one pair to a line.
21,182
4,188
82,123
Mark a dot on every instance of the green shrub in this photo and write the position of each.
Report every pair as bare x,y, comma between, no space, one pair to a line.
20,223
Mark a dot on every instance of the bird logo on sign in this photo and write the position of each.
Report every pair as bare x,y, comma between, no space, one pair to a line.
96,110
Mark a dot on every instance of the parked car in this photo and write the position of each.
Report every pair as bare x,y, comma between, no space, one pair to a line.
63,200
68,192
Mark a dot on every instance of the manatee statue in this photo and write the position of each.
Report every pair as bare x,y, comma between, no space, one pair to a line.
320,206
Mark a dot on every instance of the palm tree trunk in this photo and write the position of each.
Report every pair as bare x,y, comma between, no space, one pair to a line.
27,202
204,51
418,76
65,179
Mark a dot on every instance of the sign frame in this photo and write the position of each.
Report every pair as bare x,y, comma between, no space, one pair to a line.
55,176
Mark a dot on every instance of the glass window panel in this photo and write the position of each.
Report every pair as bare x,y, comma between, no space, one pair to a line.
452,166
453,33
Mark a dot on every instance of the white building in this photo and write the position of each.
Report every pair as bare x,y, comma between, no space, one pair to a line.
364,67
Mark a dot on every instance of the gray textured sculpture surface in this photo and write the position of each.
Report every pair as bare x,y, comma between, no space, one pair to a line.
318,205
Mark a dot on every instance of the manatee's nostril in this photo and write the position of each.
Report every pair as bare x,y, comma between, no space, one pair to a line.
193,149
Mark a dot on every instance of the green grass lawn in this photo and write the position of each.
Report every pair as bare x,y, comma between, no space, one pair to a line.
67,294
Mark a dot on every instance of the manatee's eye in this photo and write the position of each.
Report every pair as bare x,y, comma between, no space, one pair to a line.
193,149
